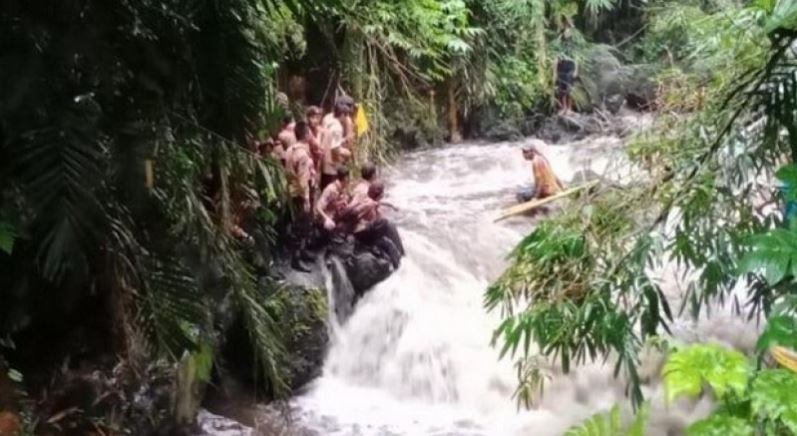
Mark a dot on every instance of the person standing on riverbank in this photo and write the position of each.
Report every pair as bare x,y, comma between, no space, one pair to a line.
314,115
286,134
565,74
300,172
332,145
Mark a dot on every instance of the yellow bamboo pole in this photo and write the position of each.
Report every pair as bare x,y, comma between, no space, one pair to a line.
149,174
785,357
530,205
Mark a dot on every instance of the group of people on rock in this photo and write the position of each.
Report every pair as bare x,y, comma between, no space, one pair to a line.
316,152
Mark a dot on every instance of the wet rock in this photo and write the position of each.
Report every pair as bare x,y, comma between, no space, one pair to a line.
505,130
601,77
606,83
640,90
304,316
614,103
566,128
366,270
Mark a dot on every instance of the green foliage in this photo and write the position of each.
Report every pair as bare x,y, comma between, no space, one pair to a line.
768,404
609,424
600,424
517,86
689,369
773,254
773,399
780,330
760,398
555,295
720,425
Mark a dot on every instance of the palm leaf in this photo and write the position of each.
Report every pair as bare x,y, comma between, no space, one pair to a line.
57,168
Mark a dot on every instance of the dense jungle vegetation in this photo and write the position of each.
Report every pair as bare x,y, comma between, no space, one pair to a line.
125,150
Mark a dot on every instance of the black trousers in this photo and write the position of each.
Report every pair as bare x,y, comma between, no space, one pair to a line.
383,235
301,228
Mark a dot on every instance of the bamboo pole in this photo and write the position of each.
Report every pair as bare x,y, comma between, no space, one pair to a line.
149,174
530,205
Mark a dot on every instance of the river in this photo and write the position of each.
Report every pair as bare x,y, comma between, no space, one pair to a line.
415,357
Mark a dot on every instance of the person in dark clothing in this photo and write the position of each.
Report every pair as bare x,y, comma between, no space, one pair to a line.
564,75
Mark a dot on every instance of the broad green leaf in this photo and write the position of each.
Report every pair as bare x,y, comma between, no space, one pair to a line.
784,16
773,254
774,397
780,330
720,425
689,369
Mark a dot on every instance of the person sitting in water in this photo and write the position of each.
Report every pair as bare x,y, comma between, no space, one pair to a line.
368,175
363,218
545,181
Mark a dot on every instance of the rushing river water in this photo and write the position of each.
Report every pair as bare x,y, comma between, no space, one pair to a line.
415,357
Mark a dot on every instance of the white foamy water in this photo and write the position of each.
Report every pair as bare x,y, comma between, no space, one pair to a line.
415,357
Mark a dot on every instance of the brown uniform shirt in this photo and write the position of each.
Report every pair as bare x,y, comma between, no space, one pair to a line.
299,166
332,200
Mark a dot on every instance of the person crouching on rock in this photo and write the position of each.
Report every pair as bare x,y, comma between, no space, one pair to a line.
370,228
368,175
333,200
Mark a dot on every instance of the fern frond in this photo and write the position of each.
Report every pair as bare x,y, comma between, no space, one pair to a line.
610,424
57,168
171,312
599,424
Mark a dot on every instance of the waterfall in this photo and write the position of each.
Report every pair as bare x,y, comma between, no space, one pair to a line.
414,357
340,292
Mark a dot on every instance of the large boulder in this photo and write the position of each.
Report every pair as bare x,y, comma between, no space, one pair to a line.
366,270
606,83
304,318
301,312
640,89
566,128
487,123
505,130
